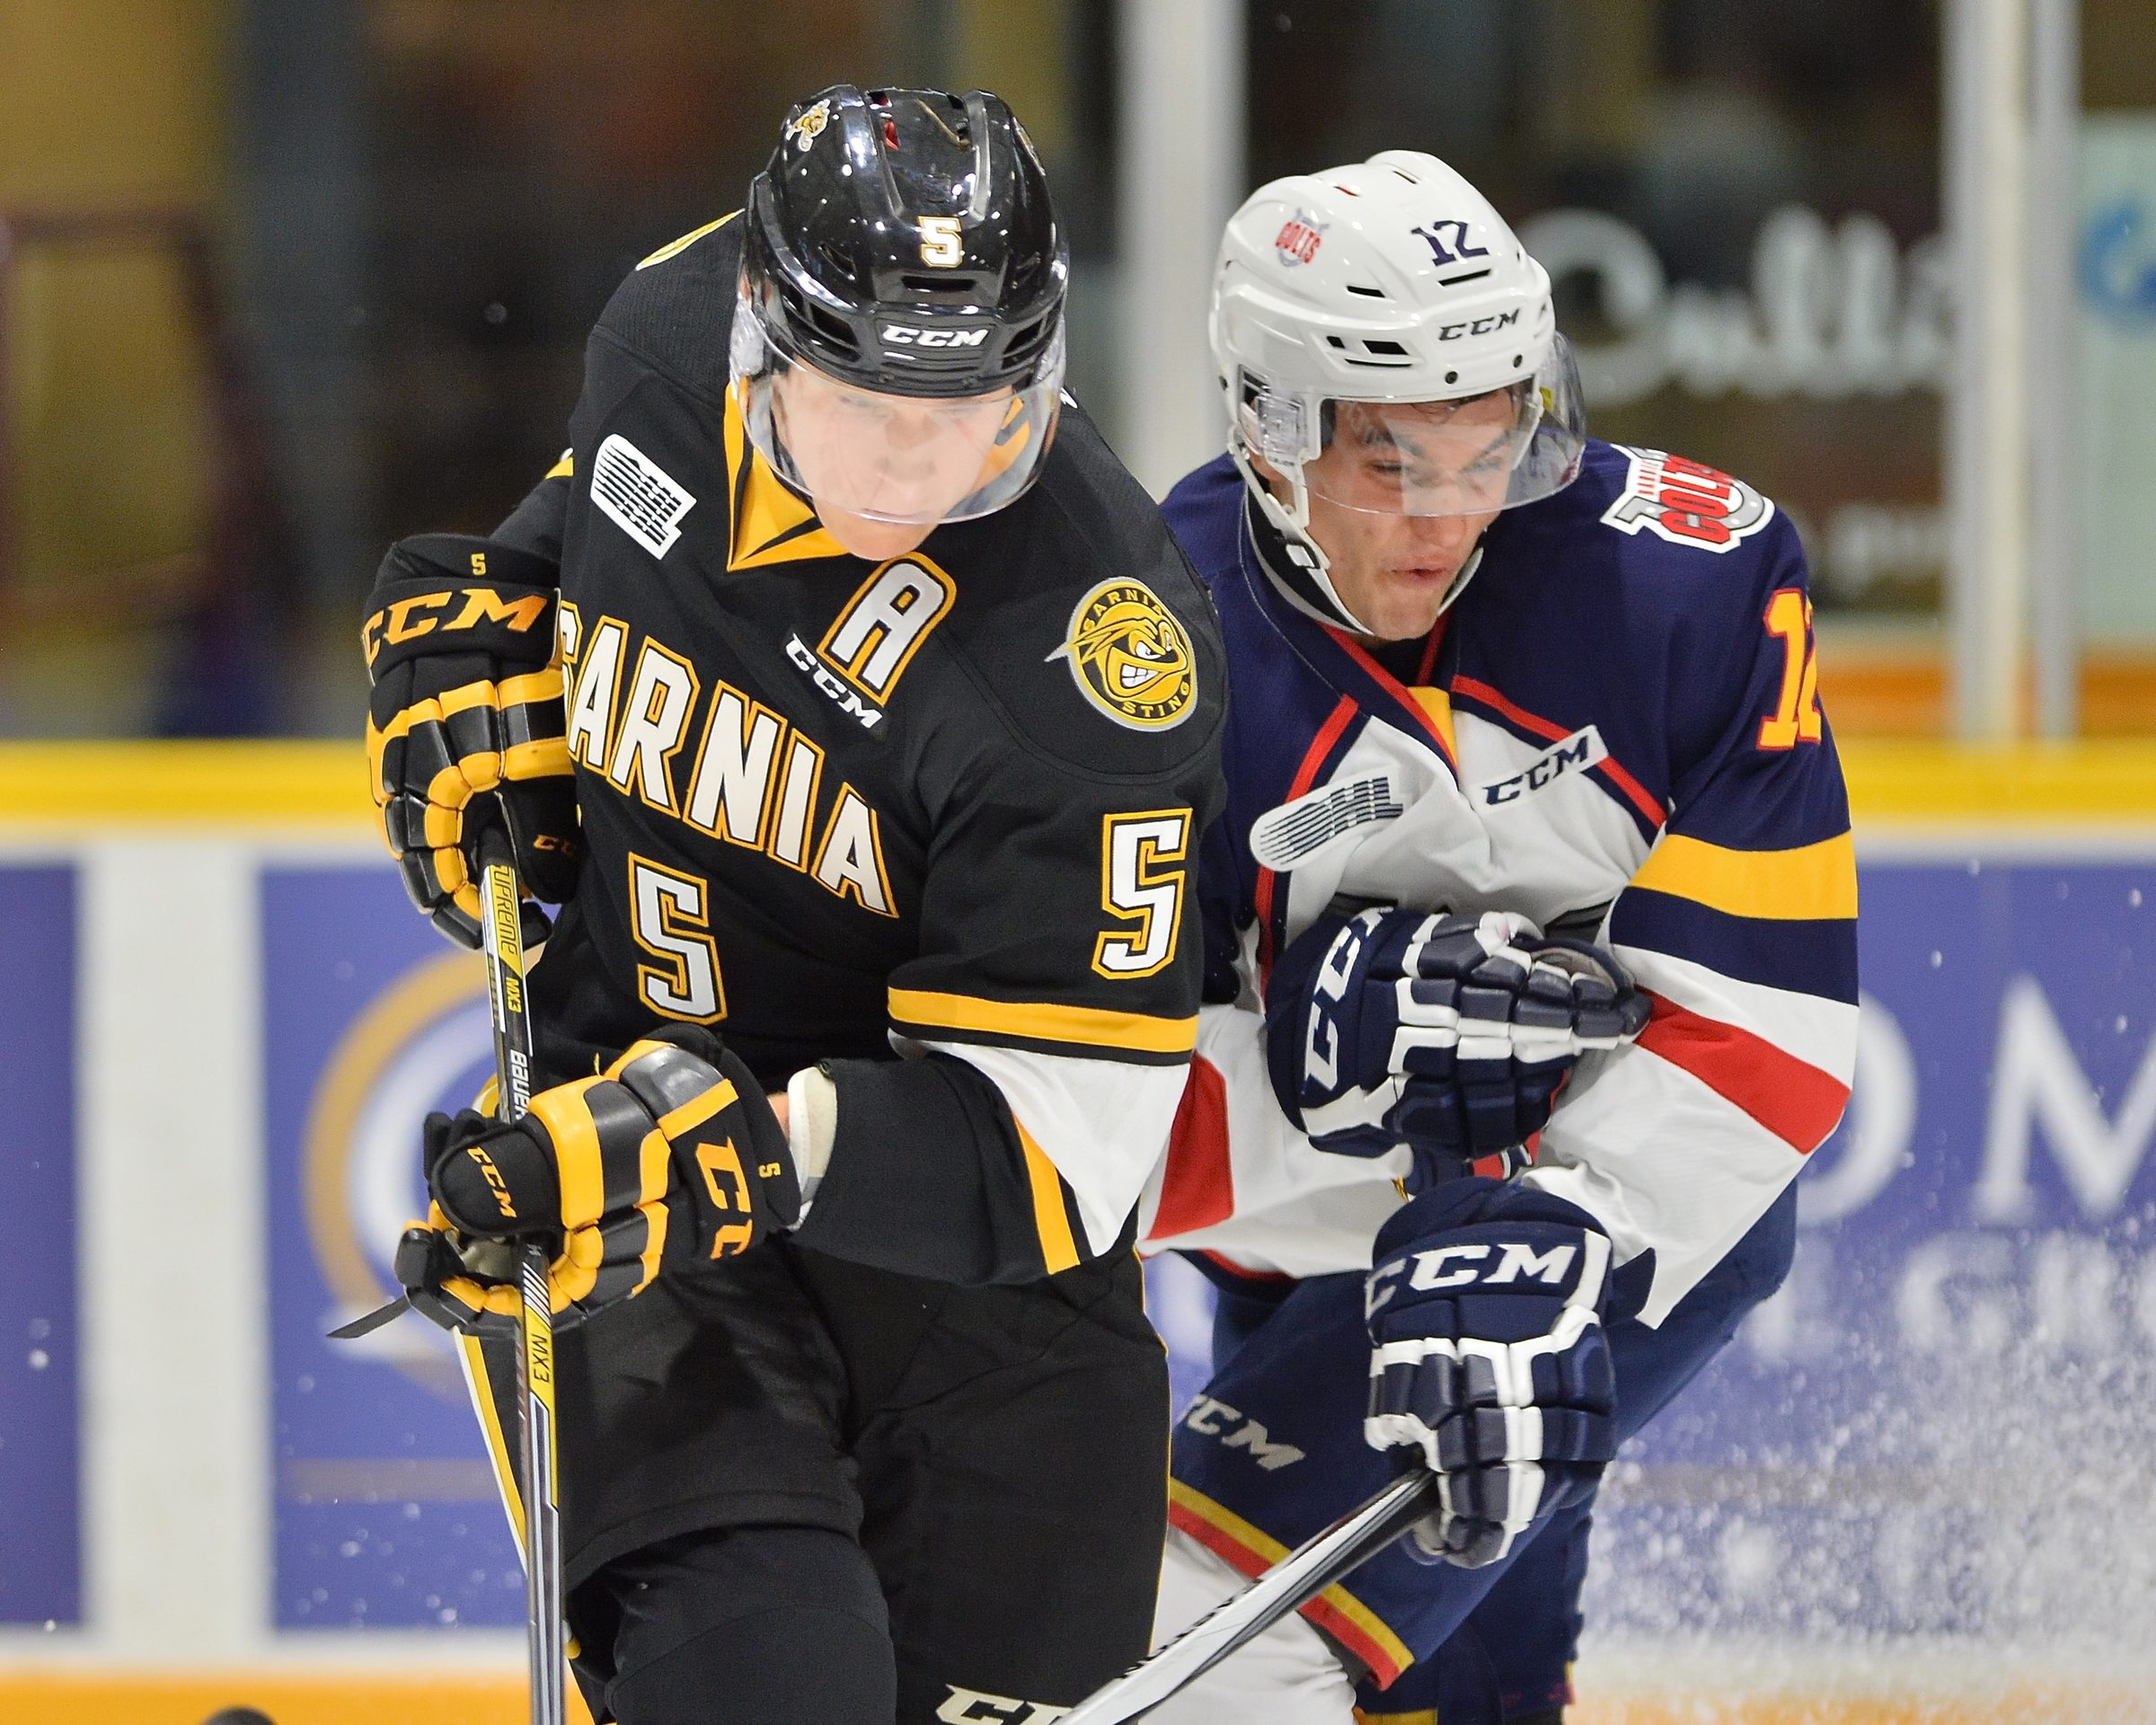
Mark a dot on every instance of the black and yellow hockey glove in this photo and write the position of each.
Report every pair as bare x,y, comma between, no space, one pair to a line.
461,647
673,1150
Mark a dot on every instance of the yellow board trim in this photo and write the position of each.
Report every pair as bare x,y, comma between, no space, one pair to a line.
1042,1021
1058,1250
350,1694
1812,883
332,1692
2107,780
1256,1539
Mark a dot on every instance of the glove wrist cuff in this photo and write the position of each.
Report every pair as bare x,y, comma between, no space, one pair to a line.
811,1127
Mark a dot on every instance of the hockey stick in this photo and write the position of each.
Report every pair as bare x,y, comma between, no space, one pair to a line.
1288,1587
512,1019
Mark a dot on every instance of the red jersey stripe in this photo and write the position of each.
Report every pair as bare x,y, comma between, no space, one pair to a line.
1320,746
1797,1102
1198,1186
1392,686
1637,794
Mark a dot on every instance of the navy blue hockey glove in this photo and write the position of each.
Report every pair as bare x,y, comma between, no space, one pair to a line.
672,1146
1448,1034
465,724
1489,1363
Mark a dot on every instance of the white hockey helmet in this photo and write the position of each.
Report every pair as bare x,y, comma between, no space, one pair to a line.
1394,284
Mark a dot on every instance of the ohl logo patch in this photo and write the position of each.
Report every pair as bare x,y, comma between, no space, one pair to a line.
1130,657
1685,502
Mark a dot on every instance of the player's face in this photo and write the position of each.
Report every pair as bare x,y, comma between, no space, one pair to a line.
882,470
1399,499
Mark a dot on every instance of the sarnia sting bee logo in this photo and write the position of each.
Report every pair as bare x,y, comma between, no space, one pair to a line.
1130,657
804,129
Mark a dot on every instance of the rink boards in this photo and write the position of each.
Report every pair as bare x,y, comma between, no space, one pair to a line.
224,1021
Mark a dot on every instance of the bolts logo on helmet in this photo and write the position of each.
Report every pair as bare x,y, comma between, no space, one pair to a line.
1130,657
1299,238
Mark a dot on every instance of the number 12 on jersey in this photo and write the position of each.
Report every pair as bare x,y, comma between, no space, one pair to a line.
1134,885
1796,715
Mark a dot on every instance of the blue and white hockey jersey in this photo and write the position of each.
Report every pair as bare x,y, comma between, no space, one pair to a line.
1615,729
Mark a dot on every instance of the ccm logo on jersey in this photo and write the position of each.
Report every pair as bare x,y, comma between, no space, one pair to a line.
1579,751
1295,831
965,1706
848,703
1684,502
1212,1418
900,335
1466,1266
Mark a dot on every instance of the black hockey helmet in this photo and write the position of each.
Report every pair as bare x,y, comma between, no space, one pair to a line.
903,240
897,349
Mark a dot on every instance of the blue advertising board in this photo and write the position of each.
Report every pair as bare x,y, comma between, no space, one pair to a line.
1946,1397
1939,1423
40,1410
385,1510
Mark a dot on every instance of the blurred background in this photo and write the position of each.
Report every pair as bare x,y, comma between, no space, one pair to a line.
283,281
280,282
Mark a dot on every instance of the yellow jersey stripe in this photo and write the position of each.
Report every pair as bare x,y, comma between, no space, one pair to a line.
565,468
1256,1539
1812,883
1437,706
673,247
1043,1021
1058,1250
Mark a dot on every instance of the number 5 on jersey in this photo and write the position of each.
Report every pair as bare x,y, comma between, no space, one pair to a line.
1134,886
670,921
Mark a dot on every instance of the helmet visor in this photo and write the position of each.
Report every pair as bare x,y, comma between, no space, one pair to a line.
1470,456
912,460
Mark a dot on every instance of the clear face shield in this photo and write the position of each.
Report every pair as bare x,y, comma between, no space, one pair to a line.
906,460
1476,455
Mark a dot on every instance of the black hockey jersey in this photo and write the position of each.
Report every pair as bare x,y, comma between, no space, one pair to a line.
948,804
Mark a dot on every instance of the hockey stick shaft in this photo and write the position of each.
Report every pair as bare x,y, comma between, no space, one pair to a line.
510,1010
1288,1587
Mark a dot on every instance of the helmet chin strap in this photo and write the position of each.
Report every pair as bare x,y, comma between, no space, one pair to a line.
1295,532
